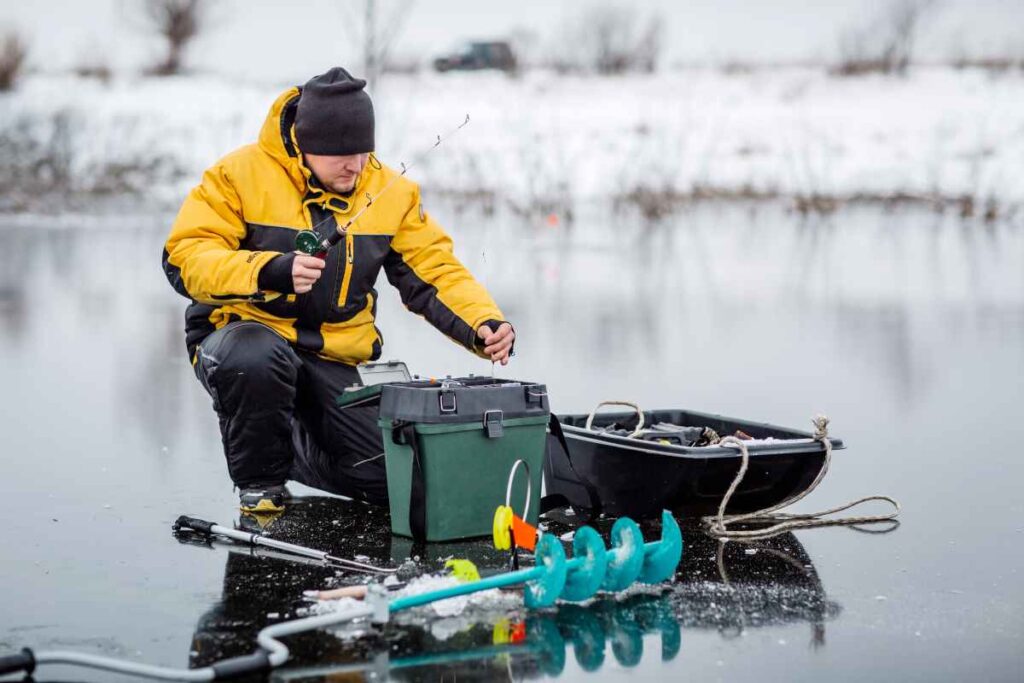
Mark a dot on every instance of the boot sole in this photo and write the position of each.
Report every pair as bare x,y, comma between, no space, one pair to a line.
265,505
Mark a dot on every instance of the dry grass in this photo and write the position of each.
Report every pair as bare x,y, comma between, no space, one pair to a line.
658,204
40,153
886,44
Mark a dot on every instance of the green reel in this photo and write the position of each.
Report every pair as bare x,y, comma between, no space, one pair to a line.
308,242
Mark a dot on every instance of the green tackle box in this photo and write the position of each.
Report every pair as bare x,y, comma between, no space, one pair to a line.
450,445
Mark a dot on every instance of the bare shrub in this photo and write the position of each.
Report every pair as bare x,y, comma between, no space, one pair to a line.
886,44
178,22
35,153
13,51
608,40
377,34
52,152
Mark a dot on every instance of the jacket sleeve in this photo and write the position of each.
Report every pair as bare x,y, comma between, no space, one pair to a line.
433,283
201,258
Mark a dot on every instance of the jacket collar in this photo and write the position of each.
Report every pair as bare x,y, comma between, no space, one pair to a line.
277,139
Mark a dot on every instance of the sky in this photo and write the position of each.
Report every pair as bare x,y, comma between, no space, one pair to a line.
266,40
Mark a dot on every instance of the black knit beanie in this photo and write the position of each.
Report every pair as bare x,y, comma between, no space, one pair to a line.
335,115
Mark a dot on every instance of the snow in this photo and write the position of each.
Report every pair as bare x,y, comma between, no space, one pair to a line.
488,599
547,140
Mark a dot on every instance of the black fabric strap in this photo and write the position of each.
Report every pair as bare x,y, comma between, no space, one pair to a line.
553,500
418,489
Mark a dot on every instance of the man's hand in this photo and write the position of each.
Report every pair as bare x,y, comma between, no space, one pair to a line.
497,344
306,270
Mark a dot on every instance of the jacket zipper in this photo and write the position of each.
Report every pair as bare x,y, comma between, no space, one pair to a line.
350,259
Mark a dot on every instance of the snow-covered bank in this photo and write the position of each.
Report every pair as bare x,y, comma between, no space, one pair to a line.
545,142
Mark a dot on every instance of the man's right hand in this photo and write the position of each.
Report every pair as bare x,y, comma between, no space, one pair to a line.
306,270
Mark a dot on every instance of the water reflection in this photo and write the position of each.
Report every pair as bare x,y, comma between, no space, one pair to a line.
729,588
734,586
907,329
878,287
15,265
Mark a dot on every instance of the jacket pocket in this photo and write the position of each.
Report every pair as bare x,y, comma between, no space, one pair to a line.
347,266
283,306
360,259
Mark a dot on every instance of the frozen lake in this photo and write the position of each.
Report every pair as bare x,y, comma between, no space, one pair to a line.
906,329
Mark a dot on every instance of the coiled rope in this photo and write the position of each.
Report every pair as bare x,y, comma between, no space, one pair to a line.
779,522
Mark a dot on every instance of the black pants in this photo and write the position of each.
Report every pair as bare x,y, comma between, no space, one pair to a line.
279,419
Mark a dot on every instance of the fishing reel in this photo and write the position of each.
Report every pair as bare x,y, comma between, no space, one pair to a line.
308,242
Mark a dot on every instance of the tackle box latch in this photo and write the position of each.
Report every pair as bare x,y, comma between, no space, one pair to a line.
446,401
494,424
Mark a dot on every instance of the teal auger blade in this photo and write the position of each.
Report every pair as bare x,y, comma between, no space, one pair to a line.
543,633
626,558
662,557
587,566
544,590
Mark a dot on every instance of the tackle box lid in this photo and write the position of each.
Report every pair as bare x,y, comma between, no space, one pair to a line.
430,400
372,378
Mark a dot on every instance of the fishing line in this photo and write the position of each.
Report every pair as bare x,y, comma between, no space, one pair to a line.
310,242
486,269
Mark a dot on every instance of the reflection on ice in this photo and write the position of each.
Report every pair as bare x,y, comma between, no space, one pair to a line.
906,328
727,588
734,586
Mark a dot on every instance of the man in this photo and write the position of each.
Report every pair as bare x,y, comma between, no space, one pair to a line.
274,335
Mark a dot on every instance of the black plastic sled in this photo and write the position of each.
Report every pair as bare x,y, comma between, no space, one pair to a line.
669,463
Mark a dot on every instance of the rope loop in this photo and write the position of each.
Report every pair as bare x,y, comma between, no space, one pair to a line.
629,404
778,522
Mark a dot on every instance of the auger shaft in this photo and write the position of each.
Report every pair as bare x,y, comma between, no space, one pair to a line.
555,577
486,583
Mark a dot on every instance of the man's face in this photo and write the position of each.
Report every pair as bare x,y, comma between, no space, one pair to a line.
337,173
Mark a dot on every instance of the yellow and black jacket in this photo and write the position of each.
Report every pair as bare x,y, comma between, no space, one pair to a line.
248,209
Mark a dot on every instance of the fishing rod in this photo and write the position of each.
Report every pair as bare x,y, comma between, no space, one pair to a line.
210,529
310,242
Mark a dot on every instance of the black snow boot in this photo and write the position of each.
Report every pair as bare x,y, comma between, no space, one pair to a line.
263,498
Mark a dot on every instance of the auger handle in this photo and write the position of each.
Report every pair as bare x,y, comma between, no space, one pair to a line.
23,661
242,665
194,524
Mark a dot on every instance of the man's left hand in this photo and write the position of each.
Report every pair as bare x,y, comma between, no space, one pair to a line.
497,344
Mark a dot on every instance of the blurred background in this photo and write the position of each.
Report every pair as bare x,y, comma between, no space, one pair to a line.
764,210
651,105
